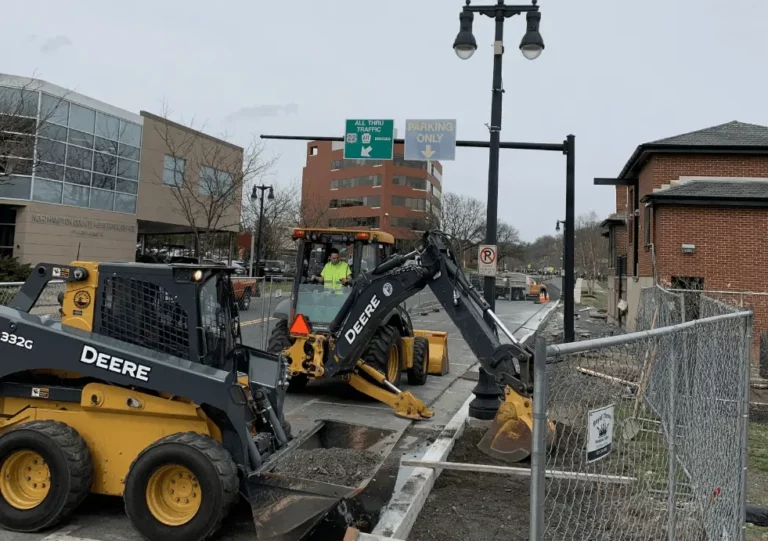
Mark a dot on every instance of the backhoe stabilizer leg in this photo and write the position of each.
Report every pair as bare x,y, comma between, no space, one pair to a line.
404,403
511,434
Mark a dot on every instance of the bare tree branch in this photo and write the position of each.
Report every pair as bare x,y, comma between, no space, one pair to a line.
208,178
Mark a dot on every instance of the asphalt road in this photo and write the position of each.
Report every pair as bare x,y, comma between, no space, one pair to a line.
103,519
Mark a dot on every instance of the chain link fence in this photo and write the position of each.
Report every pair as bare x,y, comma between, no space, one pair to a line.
650,428
46,305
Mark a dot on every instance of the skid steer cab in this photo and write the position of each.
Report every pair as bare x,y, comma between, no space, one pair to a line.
143,389
328,264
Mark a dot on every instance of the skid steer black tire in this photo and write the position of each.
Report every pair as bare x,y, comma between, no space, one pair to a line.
417,375
279,340
378,352
68,460
215,482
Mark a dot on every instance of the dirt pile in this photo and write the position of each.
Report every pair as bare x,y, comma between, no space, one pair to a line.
347,467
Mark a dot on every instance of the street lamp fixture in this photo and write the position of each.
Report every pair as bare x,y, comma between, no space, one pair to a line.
255,195
557,227
531,45
465,44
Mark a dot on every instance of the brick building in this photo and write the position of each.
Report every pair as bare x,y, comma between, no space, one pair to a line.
692,214
398,196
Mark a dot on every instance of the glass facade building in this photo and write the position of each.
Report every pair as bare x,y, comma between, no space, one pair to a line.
81,157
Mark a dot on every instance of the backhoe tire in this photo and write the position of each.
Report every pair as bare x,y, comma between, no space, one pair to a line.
181,488
45,473
385,353
279,340
417,375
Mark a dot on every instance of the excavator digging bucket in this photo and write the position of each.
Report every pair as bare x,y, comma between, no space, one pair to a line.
510,436
438,351
303,484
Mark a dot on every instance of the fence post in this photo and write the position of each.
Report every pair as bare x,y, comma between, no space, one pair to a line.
745,422
538,446
672,435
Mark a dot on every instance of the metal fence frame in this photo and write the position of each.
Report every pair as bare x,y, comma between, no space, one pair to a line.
545,354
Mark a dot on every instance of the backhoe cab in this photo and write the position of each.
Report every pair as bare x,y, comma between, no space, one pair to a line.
303,331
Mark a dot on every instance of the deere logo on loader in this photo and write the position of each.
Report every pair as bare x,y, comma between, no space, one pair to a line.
359,325
114,364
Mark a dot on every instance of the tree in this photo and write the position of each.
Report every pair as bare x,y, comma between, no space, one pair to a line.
207,177
21,123
590,249
508,242
463,218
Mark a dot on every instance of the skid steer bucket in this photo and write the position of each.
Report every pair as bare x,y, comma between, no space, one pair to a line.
438,351
287,504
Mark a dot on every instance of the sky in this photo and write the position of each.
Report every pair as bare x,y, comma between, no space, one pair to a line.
615,74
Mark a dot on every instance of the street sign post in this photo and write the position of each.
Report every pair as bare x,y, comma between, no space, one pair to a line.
430,140
486,260
368,139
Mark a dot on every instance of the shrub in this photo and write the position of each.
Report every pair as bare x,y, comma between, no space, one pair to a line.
13,271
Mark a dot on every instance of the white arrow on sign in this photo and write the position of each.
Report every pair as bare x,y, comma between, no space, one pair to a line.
366,152
428,152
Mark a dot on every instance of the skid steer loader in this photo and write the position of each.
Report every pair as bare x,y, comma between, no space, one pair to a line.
394,348
144,390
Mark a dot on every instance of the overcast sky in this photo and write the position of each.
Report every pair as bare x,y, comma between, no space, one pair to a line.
614,73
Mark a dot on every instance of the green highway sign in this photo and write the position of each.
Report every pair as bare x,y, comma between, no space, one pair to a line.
367,139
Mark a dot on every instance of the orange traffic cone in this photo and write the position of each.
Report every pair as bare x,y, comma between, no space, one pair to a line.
543,297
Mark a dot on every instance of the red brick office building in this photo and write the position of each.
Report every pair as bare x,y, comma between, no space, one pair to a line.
692,213
398,196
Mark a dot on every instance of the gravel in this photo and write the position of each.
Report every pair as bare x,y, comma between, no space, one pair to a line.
348,467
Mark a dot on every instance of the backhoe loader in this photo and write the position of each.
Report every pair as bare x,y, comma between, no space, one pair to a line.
144,390
359,324
394,348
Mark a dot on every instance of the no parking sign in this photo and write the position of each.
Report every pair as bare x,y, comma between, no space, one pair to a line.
486,260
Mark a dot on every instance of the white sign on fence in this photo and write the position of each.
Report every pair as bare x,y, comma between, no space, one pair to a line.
599,433
486,260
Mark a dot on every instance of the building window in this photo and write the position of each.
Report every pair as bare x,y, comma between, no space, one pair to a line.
410,202
354,182
344,164
400,161
214,182
313,151
367,221
647,225
412,182
86,158
7,231
173,170
612,247
373,201
435,173
415,224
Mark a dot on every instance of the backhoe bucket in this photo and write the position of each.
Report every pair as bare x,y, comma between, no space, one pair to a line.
511,435
438,351
288,503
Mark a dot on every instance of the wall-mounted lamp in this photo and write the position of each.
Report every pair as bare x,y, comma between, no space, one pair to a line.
689,248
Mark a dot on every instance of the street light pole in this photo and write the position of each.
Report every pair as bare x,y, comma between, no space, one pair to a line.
488,392
254,196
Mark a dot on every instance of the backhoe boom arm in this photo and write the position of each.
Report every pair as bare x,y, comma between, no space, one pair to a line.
376,293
